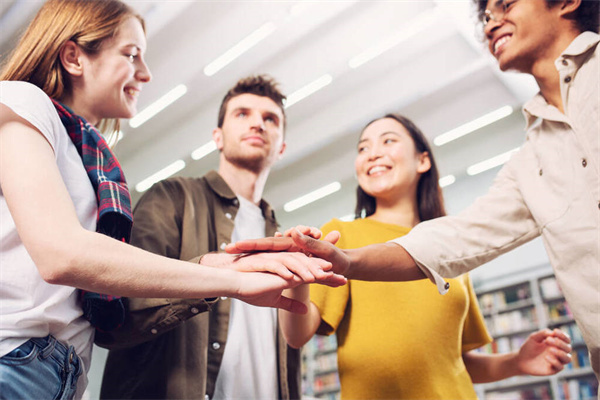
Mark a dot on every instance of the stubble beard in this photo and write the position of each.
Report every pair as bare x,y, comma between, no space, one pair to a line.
253,163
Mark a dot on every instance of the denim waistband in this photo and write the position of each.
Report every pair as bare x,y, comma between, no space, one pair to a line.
49,345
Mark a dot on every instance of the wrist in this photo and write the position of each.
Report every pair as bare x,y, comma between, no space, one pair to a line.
233,283
515,362
215,259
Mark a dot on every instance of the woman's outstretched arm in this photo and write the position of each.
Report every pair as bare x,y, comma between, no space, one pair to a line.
67,254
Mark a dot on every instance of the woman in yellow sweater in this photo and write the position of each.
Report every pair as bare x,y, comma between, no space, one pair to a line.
402,340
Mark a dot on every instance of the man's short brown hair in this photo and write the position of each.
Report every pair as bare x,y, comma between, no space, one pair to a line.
260,85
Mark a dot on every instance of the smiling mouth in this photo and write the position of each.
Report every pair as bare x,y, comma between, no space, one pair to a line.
131,92
501,41
377,169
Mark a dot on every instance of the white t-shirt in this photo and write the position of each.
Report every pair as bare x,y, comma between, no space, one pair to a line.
30,307
249,366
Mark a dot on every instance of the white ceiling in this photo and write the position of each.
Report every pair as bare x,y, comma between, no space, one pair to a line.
440,76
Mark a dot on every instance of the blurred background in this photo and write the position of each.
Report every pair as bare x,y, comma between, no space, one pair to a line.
341,64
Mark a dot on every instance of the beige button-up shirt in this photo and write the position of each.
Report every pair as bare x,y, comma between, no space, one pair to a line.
550,187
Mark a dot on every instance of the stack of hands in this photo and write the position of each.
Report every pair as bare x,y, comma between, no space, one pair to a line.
297,256
282,262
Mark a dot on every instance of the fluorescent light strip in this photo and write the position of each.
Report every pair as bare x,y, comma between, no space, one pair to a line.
158,106
204,150
490,163
447,180
474,125
308,90
243,46
312,196
419,23
160,175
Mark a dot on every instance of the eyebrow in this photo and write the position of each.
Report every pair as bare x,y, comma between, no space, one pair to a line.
139,49
237,109
383,134
273,115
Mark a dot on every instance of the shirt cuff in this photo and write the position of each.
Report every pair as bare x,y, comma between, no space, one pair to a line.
434,277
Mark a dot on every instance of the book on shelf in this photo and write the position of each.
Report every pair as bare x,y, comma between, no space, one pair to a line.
541,392
574,333
558,310
503,298
549,288
580,388
514,321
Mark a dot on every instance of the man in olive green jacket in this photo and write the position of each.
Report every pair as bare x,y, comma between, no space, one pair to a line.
209,348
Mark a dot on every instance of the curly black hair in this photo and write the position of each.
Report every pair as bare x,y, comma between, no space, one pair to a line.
586,17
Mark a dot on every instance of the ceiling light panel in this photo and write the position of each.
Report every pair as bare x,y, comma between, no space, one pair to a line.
491,162
165,101
164,173
312,196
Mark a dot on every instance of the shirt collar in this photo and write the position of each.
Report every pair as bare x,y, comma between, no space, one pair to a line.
222,189
580,46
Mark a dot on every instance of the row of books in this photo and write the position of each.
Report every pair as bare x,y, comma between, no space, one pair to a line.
504,344
513,321
573,331
323,343
580,358
579,389
501,299
326,362
557,310
326,382
542,392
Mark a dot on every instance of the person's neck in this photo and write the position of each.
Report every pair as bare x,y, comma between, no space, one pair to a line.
403,212
78,105
243,182
546,75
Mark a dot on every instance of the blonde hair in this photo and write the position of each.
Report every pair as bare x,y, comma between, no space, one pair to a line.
88,23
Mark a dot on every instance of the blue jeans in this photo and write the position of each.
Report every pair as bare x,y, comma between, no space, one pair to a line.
41,368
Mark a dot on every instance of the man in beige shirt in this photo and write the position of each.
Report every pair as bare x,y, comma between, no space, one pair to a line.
550,188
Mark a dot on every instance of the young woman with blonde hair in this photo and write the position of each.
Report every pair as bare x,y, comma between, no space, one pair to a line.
65,207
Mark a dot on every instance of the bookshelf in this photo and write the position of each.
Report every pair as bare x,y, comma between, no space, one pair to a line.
320,379
512,311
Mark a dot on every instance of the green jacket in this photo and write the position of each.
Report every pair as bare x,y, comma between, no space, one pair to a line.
172,348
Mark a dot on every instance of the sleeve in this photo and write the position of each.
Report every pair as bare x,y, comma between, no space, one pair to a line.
331,302
493,225
475,333
157,227
33,105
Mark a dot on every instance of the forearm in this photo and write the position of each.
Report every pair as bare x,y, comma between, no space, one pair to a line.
382,262
491,367
94,262
298,329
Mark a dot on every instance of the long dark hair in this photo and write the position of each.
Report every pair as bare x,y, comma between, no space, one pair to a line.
430,201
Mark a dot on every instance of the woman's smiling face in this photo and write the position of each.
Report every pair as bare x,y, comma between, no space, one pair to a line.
113,78
388,163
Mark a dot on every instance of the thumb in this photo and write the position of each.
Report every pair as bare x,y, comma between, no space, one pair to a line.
332,237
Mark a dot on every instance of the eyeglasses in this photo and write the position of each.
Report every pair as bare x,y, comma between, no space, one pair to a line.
498,11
